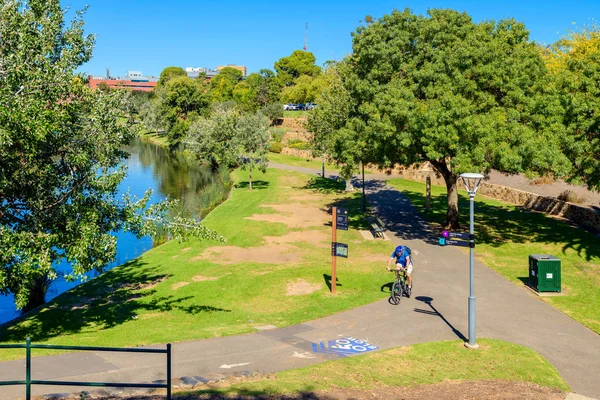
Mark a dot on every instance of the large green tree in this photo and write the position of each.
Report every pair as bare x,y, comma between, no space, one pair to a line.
223,84
298,63
169,73
60,156
465,96
574,62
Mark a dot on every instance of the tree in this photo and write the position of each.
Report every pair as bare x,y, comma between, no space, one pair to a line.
466,97
269,88
181,98
329,123
574,62
293,66
305,89
213,140
253,136
244,96
222,85
169,73
103,86
150,116
273,112
60,156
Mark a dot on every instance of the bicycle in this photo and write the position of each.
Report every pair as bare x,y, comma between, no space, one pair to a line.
399,287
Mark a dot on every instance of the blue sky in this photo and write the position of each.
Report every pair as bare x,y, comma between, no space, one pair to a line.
153,34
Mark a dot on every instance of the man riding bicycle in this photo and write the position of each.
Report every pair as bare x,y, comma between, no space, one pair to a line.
403,261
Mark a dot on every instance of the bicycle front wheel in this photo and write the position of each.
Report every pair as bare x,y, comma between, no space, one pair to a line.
396,295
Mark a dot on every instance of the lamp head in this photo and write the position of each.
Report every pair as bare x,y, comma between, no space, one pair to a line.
472,182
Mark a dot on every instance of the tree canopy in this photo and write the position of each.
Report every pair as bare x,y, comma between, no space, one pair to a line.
465,96
60,155
575,65
298,63
223,84
169,73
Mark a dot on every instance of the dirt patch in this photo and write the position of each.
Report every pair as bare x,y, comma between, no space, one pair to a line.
294,215
314,237
179,285
269,254
200,278
448,390
186,249
301,287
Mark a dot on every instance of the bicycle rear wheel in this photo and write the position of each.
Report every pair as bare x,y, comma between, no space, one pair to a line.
396,295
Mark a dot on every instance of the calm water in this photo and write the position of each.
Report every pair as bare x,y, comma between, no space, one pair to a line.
149,167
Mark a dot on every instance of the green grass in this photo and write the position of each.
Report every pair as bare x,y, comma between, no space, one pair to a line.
140,302
507,234
295,114
300,162
425,363
156,138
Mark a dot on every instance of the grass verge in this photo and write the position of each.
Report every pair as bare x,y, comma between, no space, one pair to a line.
507,234
295,114
300,162
277,235
425,363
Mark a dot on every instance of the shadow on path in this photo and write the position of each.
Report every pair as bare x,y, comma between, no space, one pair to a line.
435,312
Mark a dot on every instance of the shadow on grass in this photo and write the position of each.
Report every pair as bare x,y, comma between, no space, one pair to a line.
115,297
325,185
327,279
434,312
496,224
255,185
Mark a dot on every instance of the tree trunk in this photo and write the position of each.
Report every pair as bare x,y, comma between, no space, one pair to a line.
349,185
250,175
37,293
451,179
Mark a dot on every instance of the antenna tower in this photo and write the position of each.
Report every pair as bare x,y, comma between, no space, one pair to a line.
306,38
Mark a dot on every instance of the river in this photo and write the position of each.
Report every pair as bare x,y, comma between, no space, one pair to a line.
169,175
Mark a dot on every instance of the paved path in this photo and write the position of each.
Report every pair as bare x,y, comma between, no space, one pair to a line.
437,311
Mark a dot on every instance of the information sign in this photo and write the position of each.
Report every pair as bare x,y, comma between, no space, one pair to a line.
339,249
450,242
342,219
455,235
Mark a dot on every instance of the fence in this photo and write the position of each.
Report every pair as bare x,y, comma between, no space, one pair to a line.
28,382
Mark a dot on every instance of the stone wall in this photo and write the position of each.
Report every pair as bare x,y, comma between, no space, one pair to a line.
583,216
292,123
297,152
293,135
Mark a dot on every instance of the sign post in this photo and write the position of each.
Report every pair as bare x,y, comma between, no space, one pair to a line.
333,241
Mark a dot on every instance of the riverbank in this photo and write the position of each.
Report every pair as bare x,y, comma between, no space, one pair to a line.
272,271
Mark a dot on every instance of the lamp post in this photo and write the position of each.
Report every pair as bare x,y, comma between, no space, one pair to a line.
472,182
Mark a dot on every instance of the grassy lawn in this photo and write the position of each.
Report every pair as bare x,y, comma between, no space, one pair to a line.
295,114
300,162
156,138
277,236
425,363
507,234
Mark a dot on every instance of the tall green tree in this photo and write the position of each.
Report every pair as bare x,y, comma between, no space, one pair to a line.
60,156
253,136
181,99
293,66
223,84
465,96
213,140
169,73
575,65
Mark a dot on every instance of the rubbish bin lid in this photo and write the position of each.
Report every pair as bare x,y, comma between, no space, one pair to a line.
543,257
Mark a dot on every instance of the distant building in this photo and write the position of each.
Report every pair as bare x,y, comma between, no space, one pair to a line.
240,68
193,72
134,80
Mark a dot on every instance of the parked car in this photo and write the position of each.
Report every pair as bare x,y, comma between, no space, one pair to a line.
300,107
310,106
290,107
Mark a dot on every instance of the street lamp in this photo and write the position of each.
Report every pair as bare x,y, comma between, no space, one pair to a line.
472,182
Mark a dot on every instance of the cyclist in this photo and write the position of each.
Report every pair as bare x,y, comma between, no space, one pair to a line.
403,260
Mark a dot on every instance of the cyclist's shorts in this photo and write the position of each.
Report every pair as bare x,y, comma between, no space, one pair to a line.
409,267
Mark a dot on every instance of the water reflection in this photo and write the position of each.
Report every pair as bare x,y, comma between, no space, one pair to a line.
173,176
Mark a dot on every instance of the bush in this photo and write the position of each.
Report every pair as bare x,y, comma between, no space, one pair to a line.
278,136
300,145
571,197
276,147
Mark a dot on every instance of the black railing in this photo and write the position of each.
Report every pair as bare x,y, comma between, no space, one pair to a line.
28,382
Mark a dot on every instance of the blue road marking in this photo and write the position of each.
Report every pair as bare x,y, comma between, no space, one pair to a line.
344,346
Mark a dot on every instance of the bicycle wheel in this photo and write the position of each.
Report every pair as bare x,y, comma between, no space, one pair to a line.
396,295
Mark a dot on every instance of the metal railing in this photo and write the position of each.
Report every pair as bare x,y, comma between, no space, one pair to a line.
28,382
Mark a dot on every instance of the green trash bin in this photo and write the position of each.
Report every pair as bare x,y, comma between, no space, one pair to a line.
544,273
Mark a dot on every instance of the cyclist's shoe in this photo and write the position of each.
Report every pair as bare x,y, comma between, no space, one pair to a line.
408,291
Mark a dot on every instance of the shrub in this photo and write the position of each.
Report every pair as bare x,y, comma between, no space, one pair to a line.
300,145
571,197
542,180
276,147
278,136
